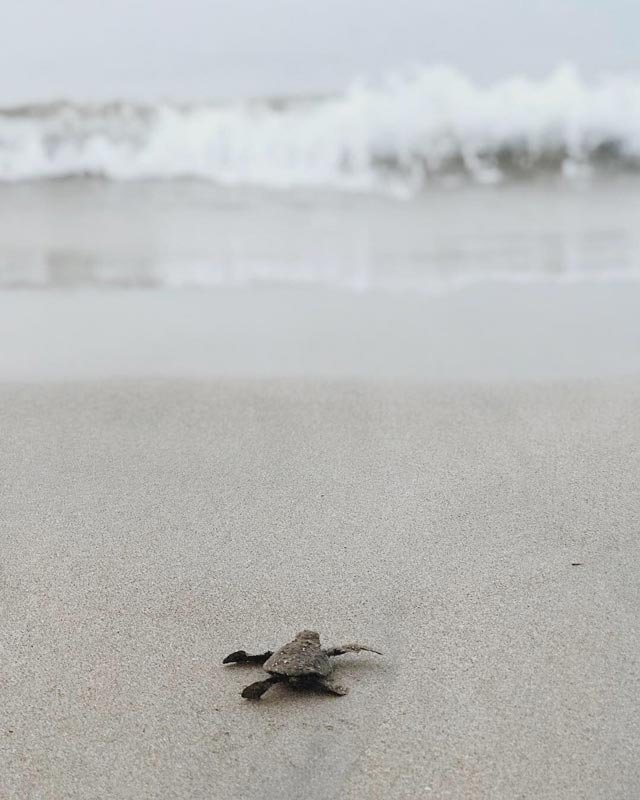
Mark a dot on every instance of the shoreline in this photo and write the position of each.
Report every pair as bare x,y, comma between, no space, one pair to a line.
483,334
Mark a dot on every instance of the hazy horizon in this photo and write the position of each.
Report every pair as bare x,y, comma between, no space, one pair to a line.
196,49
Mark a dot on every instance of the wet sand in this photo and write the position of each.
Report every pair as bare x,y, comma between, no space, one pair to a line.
491,333
150,527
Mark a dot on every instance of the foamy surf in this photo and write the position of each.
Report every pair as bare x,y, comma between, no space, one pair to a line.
43,271
434,125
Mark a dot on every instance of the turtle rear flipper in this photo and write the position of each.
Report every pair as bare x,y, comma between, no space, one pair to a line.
350,648
331,686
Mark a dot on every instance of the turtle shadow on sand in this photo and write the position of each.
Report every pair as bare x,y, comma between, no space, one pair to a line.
300,664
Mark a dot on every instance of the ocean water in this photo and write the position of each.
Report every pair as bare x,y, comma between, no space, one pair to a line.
424,183
174,234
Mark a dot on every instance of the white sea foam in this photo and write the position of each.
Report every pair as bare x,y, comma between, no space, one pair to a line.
411,129
80,270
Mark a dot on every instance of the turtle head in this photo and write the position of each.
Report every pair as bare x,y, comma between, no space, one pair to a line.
308,637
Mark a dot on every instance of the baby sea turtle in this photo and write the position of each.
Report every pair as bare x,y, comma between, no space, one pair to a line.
301,663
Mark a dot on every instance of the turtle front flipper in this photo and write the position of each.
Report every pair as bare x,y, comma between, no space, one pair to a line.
349,648
242,657
254,691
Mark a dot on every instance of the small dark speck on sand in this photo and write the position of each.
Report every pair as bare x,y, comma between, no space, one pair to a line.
576,563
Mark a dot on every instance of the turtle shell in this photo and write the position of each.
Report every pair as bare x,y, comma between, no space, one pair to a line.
302,656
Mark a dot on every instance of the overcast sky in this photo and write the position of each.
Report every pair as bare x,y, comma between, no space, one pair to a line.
204,49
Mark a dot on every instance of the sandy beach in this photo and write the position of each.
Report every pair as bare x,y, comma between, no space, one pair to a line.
150,527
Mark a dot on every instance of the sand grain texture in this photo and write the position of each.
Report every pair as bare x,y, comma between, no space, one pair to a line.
150,528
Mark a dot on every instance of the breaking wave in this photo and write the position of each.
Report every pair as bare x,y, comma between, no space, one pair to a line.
434,125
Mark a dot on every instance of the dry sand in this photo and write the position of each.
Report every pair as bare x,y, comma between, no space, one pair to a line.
149,528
